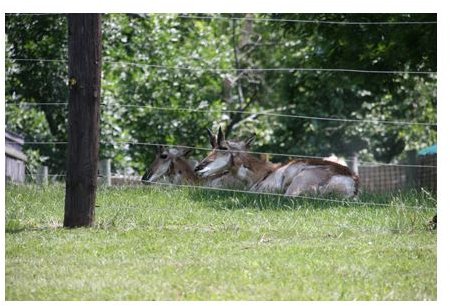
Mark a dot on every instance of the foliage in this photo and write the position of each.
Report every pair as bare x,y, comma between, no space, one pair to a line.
167,41
391,97
34,37
140,95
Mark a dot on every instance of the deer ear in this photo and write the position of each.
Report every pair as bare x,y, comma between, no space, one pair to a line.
220,137
212,138
250,140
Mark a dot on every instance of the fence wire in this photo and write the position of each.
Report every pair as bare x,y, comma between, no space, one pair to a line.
313,21
152,144
278,69
284,20
293,69
346,202
259,113
375,229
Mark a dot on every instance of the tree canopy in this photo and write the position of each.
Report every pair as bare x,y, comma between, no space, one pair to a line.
168,77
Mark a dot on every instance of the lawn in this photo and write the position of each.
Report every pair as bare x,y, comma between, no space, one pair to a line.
156,243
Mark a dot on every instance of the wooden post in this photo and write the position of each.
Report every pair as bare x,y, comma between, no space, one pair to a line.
84,114
42,175
105,172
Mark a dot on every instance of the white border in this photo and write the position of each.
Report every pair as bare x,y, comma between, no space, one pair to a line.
2,159
231,6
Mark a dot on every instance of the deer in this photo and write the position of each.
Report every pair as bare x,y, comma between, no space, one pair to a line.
173,166
296,177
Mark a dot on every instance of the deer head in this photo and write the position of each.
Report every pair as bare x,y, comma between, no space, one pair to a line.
169,163
223,154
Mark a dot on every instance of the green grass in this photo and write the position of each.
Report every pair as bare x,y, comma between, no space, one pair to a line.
153,243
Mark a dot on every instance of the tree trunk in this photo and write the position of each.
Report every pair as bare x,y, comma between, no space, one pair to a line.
84,114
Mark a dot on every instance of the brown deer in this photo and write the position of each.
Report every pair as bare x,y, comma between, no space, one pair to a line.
300,176
173,166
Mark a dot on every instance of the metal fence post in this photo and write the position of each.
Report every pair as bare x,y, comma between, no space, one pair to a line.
411,172
42,175
105,172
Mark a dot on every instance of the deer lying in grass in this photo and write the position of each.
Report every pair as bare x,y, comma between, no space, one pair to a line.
300,176
173,166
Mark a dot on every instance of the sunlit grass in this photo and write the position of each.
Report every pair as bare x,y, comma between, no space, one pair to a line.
155,243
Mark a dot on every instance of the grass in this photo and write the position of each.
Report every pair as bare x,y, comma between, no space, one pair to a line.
154,243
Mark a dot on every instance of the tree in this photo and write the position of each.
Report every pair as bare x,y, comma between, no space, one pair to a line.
397,97
145,81
40,82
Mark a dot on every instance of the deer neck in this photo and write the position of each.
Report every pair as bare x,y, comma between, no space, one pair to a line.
250,168
185,172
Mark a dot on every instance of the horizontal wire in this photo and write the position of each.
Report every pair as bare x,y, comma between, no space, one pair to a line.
285,115
33,14
374,229
129,177
39,142
269,153
289,196
272,69
37,60
237,69
379,229
136,178
42,175
314,21
360,163
260,113
36,103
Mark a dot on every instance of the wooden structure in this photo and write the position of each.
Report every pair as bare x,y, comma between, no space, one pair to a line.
15,159
84,115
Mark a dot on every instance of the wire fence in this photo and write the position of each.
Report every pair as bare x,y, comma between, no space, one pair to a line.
379,179
374,181
285,20
137,180
207,69
298,215
304,197
254,114
258,113
313,21
395,170
410,224
152,144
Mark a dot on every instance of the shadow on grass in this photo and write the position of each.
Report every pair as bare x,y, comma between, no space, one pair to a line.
16,230
14,226
230,200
